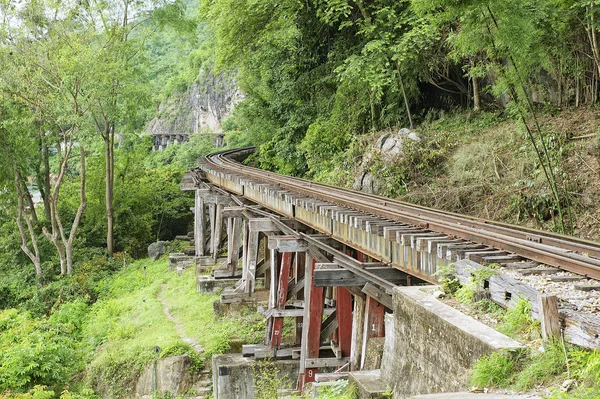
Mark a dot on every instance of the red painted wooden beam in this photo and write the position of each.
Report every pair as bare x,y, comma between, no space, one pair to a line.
284,276
315,317
344,317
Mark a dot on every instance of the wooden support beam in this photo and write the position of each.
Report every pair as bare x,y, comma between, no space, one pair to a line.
233,211
331,275
312,319
297,291
374,324
325,362
293,312
296,287
199,225
284,276
344,316
328,326
548,311
358,324
252,260
379,295
218,231
287,244
211,215
262,225
245,236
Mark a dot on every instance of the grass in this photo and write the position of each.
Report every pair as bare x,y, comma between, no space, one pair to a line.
128,322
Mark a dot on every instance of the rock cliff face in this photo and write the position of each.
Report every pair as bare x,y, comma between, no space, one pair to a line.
200,109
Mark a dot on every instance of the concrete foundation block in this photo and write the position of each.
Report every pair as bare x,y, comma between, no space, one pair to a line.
234,376
368,383
210,285
180,261
436,345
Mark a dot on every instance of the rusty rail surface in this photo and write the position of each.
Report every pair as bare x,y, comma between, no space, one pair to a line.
565,252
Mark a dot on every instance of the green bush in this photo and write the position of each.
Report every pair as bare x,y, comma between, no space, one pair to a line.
35,351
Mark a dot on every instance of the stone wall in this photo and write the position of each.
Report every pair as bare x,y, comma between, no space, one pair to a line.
435,345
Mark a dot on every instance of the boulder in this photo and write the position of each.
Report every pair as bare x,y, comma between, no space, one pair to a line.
156,249
391,145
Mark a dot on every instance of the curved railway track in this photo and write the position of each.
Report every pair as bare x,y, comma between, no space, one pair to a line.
565,252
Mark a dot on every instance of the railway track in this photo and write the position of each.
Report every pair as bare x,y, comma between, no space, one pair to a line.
564,252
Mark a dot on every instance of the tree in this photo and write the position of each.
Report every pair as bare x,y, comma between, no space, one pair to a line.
46,71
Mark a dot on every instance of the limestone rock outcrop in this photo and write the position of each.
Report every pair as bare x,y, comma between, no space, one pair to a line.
389,147
200,109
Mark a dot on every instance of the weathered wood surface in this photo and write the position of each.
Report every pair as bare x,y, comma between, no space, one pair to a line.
325,362
344,315
550,321
379,295
578,328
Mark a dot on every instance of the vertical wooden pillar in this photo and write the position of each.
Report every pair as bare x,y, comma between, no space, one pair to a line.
218,230
275,262
245,235
234,242
549,318
284,276
199,224
374,324
313,317
298,276
358,323
229,233
344,316
212,216
251,259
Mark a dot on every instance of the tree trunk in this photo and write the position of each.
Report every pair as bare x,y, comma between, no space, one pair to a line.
29,199
46,181
33,255
82,204
110,178
410,121
476,98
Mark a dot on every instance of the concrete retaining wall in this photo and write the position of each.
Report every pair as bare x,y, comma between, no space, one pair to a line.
435,345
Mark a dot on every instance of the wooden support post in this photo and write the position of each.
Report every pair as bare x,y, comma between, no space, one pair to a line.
344,315
548,310
299,276
229,242
217,230
199,225
284,278
311,331
252,260
275,262
211,215
233,251
245,235
374,324
358,323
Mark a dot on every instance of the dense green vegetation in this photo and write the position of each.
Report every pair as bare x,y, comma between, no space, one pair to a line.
101,347
482,82
319,75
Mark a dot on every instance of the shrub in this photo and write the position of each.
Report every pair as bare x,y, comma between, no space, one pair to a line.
34,352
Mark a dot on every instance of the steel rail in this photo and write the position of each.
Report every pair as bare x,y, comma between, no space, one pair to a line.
566,252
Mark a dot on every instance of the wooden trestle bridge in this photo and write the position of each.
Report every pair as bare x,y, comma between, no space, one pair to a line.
330,257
